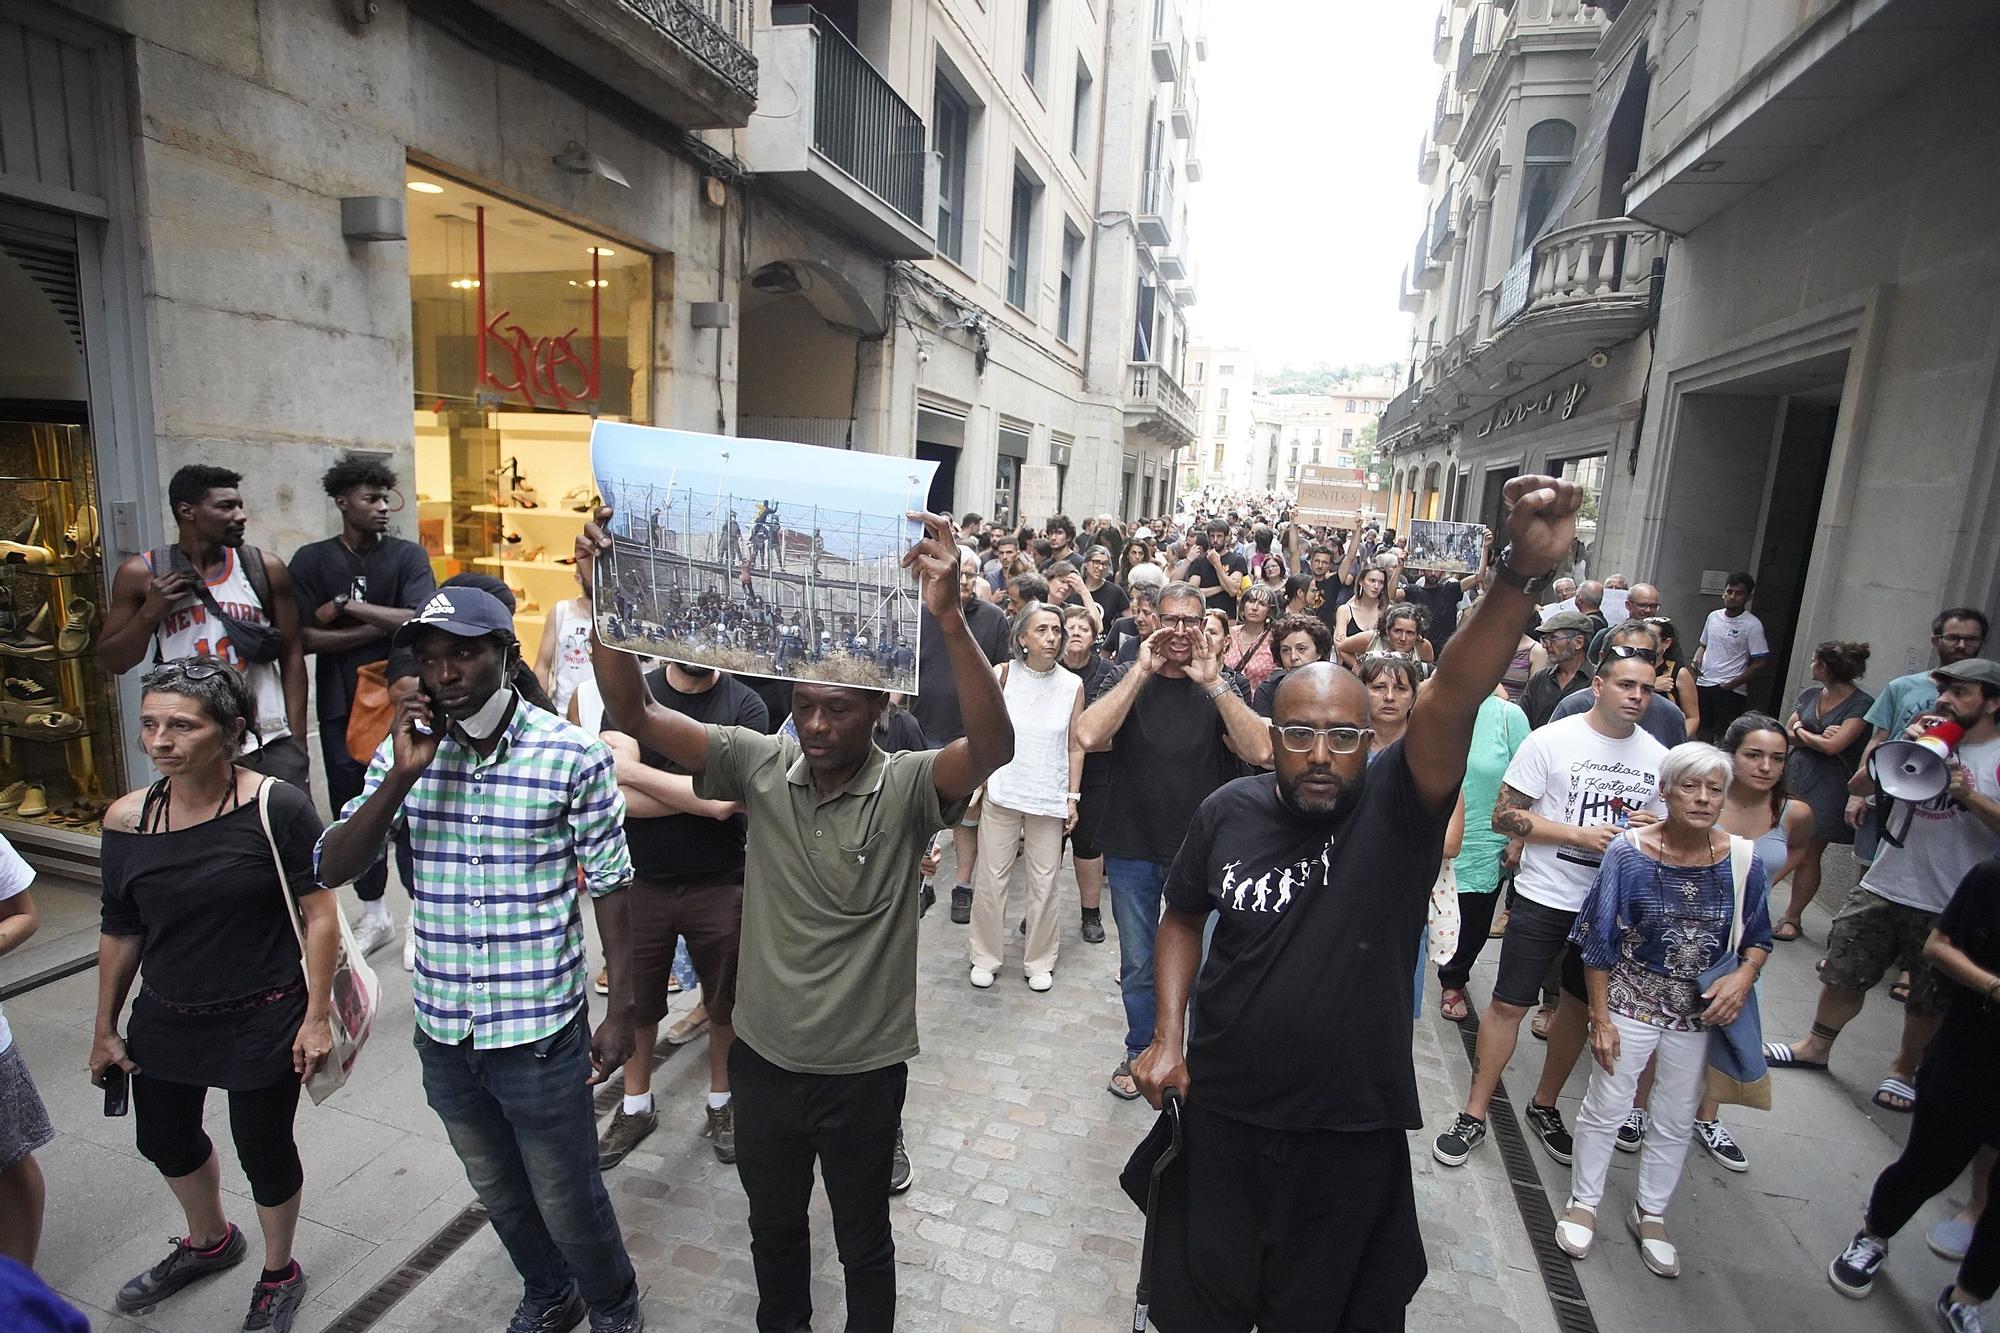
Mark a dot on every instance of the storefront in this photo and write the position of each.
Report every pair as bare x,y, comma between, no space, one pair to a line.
524,329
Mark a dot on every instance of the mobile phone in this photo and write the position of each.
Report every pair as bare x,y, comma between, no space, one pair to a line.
117,1091
438,715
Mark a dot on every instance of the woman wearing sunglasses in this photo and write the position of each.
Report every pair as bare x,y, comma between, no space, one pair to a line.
195,900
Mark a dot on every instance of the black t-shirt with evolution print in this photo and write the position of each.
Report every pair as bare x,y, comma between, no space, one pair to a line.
1303,1011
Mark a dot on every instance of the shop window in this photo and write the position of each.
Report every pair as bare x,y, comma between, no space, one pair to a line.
524,329
1588,474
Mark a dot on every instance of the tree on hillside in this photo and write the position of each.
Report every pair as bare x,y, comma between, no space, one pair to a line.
1323,378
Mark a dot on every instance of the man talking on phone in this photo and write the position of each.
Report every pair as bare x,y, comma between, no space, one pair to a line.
508,808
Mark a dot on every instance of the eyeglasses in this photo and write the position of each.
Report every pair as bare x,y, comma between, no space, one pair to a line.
1962,639
1339,740
1181,622
1642,608
1632,650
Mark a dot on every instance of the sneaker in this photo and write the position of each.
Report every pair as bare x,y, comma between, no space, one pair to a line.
1093,925
601,983
183,1265
721,1128
1041,981
688,1026
625,1132
626,1319
1853,1273
274,1305
372,932
12,796
1632,1134
1456,1144
901,1174
410,949
1949,1238
961,904
926,898
1957,1317
537,1315
1547,1122
1720,1145
980,977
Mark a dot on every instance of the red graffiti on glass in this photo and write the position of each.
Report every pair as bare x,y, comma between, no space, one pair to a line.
539,365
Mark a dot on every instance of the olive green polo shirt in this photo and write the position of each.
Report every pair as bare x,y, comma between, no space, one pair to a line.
826,974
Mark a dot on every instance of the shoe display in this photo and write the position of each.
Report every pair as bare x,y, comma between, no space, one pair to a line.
82,532
902,1175
524,496
721,1131
511,537
1547,1122
21,690
34,802
372,932
11,796
1632,1134
529,554
1720,1145
580,499
561,1315
1456,1144
1853,1273
26,553
275,1305
75,636
625,1132
183,1264
54,725
1093,925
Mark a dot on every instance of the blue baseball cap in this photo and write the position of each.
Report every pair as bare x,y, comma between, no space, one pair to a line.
467,612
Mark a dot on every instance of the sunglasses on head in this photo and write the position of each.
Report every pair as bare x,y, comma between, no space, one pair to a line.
167,672
1633,650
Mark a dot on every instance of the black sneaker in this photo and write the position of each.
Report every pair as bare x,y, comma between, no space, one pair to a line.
1721,1145
961,905
901,1174
720,1130
182,1266
1456,1144
1632,1134
1853,1273
274,1305
1958,1317
926,898
1547,1122
537,1315
1093,925
628,1318
622,1135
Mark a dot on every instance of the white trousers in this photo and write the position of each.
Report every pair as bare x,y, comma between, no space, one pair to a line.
1679,1079
999,830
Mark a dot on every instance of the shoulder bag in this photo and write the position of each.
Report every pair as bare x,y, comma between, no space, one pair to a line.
370,713
254,643
357,993
1737,1072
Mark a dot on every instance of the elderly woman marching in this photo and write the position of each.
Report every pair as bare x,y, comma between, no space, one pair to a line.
1032,799
1662,911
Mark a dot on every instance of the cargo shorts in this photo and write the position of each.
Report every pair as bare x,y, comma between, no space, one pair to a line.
1869,935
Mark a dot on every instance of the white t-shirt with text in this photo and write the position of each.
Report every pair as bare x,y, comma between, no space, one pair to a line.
1945,840
1577,775
1728,643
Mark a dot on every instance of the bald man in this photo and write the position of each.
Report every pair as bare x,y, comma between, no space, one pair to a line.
1298,1211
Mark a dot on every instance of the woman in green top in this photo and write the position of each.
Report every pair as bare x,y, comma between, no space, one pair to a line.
1499,731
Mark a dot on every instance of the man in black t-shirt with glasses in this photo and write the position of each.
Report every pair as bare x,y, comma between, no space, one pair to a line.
1298,1211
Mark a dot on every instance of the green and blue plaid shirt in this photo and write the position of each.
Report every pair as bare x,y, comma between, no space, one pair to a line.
498,845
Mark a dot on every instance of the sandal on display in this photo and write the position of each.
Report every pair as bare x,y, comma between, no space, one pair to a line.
81,533
511,537
524,496
580,498
529,554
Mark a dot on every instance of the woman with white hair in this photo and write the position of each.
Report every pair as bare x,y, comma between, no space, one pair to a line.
1670,901
1031,800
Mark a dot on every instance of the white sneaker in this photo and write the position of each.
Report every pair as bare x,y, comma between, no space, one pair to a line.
410,950
372,932
981,978
1041,981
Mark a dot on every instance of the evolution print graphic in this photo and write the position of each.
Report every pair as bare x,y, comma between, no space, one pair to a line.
1275,889
1603,792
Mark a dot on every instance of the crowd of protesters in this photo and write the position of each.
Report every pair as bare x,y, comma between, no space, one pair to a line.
1302,768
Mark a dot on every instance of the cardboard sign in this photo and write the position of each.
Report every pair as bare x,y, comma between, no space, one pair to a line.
1328,495
1041,493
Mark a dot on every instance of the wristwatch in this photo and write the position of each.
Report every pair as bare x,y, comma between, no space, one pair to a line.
1219,689
1533,585
340,604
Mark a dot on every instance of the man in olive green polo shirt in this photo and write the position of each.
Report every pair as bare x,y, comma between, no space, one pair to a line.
826,976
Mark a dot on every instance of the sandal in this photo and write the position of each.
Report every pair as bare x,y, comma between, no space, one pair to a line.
1778,929
1576,1231
1899,1091
1122,1086
1454,1007
1539,1024
1779,1056
1650,1230
1900,992
1499,926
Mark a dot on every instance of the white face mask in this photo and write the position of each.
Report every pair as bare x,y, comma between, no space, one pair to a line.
482,724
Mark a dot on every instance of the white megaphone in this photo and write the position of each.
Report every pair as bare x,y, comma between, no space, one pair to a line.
1912,772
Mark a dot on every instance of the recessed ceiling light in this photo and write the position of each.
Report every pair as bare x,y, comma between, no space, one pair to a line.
426,187
605,251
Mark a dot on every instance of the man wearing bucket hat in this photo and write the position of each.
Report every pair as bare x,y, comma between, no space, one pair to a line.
1889,915
508,809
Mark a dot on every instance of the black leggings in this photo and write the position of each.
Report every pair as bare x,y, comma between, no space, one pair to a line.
1475,918
172,1139
1956,1113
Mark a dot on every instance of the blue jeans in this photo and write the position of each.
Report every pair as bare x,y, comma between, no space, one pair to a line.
521,1122
1135,906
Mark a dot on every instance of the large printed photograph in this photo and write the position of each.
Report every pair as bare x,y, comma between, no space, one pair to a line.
758,557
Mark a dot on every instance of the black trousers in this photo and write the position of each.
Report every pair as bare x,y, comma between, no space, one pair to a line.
848,1122
1958,1110
170,1135
345,778
1718,709
1475,918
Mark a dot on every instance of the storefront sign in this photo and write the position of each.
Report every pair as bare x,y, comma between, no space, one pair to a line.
547,371
1561,402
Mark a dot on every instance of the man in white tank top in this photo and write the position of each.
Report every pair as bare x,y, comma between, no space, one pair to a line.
161,614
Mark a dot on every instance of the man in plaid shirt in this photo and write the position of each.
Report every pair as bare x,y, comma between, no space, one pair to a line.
506,808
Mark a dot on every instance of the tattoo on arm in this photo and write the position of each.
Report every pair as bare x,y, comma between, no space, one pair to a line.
1510,813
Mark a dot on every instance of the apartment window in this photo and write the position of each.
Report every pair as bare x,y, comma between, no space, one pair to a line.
1347,439
1222,398
1032,42
951,121
1222,423
1079,112
1225,372
1315,457
1020,239
1350,404
1545,163
1072,259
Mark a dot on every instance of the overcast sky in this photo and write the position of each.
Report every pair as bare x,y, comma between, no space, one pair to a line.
1312,114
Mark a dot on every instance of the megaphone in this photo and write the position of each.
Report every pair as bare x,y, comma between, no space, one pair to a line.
1913,772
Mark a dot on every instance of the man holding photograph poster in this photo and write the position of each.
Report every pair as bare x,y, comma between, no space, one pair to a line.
826,977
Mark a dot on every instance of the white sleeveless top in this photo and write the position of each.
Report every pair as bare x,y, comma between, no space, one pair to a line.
188,630
1036,781
572,664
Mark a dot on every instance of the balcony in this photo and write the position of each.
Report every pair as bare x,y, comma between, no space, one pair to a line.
1166,41
1186,110
1427,268
1475,47
1156,209
1155,404
1184,291
686,60
1594,269
1171,260
1399,412
1442,224
1444,126
1441,39
849,145
1191,167
1411,302
1427,161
